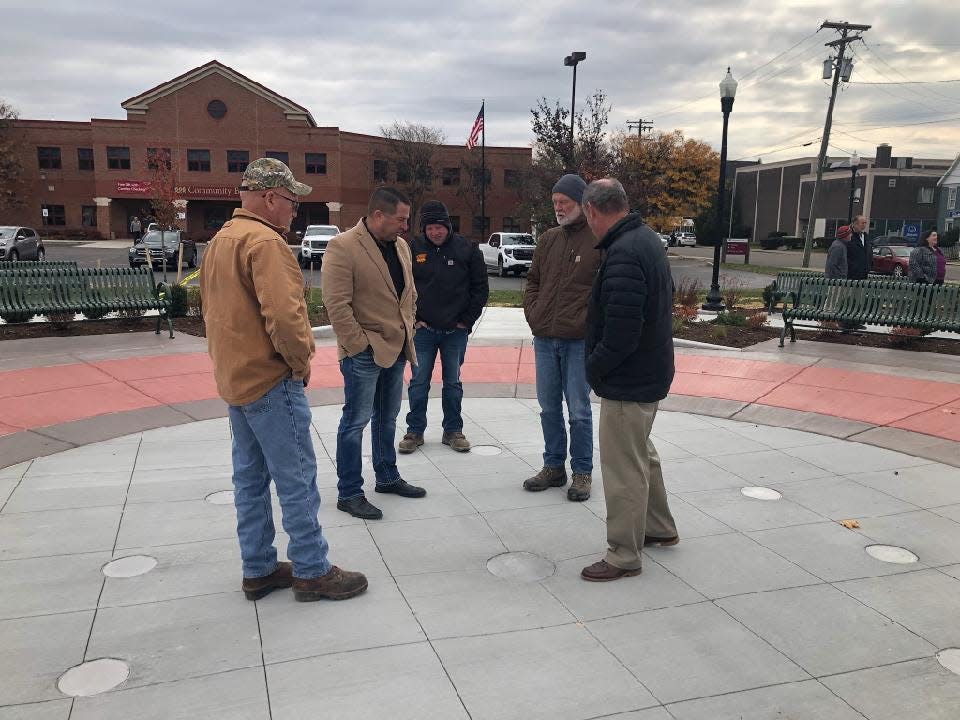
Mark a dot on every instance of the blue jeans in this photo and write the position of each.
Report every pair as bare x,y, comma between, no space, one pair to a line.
271,440
452,346
372,394
562,374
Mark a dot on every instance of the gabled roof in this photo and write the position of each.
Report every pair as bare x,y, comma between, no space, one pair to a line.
950,170
141,103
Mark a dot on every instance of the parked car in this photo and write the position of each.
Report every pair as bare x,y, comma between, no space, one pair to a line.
891,260
162,245
314,244
893,240
686,238
20,243
665,239
508,252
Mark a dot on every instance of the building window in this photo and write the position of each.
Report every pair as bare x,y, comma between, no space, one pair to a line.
88,215
477,229
53,215
198,160
379,170
118,158
475,177
85,158
451,176
951,197
216,109
155,156
316,163
283,157
511,178
403,173
925,195
455,223
214,217
237,160
49,158
511,224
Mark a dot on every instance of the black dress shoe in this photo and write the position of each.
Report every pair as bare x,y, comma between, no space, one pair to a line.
360,507
402,488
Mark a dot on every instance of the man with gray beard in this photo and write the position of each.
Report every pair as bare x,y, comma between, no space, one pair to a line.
555,304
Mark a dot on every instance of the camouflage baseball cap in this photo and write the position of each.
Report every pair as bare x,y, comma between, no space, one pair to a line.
269,173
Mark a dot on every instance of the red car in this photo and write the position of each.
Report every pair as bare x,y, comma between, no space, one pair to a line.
891,260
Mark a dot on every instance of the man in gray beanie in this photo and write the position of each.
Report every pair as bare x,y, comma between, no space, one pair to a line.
555,304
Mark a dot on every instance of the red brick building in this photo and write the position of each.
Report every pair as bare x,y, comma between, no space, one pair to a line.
93,177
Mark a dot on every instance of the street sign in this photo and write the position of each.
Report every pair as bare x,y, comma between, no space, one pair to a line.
954,213
46,213
911,231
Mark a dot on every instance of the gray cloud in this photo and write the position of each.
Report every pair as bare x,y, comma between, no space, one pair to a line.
360,65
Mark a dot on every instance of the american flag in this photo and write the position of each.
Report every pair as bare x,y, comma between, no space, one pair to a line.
476,130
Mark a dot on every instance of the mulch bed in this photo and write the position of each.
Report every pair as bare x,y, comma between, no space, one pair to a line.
19,331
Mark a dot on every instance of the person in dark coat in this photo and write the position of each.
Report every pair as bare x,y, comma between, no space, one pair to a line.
836,266
452,290
927,263
859,250
629,364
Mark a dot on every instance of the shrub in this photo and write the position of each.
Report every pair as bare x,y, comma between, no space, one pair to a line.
732,290
687,293
16,317
756,320
194,302
685,313
677,324
131,313
95,313
719,332
728,317
60,320
178,301
949,238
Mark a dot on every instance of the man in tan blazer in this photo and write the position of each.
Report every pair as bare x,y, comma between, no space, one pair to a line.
370,296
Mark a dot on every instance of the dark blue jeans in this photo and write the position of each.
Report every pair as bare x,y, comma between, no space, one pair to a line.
271,440
372,394
562,375
452,346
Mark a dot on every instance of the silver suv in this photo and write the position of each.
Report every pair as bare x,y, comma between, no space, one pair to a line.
314,243
20,243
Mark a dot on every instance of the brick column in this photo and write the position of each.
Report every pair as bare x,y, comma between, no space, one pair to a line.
103,216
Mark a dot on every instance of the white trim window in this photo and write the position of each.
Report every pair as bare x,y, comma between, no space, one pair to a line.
951,197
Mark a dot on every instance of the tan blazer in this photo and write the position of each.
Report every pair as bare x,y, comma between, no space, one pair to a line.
362,301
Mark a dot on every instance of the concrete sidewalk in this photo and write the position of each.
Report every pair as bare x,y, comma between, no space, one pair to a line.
769,608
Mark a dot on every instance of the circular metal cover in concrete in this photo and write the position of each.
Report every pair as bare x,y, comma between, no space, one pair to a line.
760,493
93,678
891,554
130,566
486,450
521,566
221,497
950,659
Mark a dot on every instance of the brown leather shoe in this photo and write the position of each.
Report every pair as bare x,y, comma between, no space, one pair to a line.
603,571
456,441
649,540
335,585
410,442
281,577
548,477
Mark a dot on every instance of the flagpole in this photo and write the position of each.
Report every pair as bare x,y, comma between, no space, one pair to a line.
483,171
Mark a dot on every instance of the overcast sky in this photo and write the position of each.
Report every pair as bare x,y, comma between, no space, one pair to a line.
360,65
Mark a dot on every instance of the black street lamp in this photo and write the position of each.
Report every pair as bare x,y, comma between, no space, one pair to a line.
728,89
854,166
571,60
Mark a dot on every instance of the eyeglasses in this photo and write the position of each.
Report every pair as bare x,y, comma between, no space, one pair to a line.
295,203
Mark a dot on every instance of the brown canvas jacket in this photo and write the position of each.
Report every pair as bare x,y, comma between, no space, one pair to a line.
258,331
558,285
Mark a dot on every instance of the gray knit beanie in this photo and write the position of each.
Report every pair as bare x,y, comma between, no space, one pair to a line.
572,186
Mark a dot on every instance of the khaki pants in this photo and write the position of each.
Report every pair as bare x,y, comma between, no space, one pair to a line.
632,481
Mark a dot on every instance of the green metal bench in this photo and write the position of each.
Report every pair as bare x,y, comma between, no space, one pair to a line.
784,287
874,302
28,289
23,264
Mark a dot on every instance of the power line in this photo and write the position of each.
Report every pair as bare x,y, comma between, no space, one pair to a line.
875,54
904,82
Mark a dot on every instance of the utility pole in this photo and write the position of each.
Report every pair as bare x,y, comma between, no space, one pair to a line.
841,68
642,126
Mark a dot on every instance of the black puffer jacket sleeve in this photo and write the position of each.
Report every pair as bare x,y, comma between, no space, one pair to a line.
479,288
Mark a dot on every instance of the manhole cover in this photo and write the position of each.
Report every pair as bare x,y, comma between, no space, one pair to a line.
950,659
93,678
130,566
221,497
760,493
521,566
891,554
486,450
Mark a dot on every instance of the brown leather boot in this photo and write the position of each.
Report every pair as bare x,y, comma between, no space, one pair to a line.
335,585
409,443
548,477
456,441
281,577
602,571
579,489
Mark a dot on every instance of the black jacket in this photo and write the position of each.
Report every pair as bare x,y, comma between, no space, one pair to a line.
451,282
629,342
859,256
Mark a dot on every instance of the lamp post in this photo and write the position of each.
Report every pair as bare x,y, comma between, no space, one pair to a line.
854,166
571,60
728,89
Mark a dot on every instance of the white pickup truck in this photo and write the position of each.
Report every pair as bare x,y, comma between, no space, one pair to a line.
508,252
314,243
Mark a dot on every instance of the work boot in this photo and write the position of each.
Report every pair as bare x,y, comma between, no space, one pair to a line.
579,489
335,585
256,588
410,442
548,477
456,441
603,571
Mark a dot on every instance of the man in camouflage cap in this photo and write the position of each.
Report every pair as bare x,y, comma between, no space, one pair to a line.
261,344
